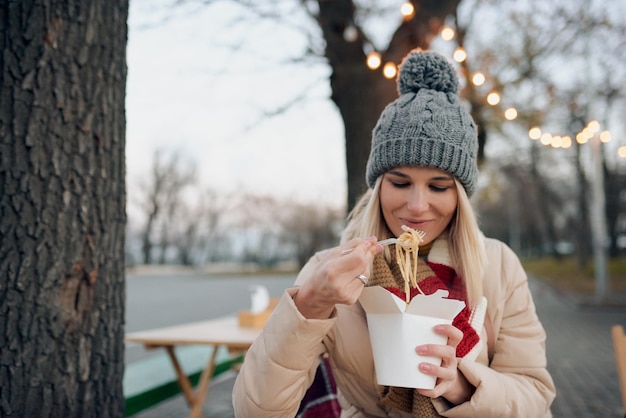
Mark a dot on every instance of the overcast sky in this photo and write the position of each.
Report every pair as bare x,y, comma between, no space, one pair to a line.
189,92
198,84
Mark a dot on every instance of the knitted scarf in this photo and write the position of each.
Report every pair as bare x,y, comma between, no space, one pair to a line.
430,277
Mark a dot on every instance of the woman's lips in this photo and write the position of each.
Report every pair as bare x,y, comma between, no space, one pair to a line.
413,224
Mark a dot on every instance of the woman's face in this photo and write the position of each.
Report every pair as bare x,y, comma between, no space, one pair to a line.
422,198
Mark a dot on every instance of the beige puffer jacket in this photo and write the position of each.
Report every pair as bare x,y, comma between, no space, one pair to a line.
281,364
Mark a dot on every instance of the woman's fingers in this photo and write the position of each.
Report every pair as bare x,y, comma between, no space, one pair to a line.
447,372
339,278
354,259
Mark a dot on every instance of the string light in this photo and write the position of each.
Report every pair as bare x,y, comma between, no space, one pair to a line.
605,136
546,138
493,98
447,33
459,54
534,133
510,113
373,60
390,70
581,137
478,79
556,141
594,127
567,141
407,10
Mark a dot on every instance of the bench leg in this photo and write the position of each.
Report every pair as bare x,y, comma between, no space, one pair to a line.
183,380
203,385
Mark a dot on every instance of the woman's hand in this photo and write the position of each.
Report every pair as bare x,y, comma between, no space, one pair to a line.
451,384
336,278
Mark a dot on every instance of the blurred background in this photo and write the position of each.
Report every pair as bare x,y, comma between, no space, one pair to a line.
236,149
248,124
249,127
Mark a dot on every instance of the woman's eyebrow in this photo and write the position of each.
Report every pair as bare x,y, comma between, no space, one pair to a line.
441,177
398,173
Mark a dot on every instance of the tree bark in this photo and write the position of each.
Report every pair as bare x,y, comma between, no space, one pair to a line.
62,207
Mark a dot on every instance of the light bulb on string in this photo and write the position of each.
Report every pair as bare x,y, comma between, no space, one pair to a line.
493,98
459,54
390,70
447,33
593,127
566,142
373,60
407,10
534,133
478,79
510,113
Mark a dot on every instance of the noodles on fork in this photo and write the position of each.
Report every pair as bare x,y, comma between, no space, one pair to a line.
407,250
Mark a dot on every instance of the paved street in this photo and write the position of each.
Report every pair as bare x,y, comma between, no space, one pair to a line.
580,356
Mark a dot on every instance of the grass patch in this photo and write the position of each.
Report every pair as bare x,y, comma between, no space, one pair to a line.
566,274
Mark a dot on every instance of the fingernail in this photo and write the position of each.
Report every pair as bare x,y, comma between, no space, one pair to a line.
425,367
421,349
440,328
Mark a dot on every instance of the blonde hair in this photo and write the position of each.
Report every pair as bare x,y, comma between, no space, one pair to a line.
467,250
366,219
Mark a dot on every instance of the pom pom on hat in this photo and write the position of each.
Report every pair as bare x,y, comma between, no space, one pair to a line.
426,70
427,125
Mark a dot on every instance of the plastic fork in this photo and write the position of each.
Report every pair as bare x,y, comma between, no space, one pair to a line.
387,241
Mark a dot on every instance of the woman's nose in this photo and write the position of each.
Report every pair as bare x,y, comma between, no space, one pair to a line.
418,201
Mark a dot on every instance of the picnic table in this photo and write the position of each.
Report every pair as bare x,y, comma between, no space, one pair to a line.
220,332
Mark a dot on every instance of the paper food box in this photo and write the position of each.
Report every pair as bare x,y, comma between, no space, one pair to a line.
396,328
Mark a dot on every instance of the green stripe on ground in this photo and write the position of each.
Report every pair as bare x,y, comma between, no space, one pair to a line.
138,400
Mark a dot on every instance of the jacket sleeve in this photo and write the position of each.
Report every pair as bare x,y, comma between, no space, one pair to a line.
516,383
280,365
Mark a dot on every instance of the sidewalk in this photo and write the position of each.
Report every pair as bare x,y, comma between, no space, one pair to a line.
580,353
580,358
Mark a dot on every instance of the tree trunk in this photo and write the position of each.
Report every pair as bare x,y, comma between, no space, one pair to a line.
583,232
614,183
62,207
544,198
360,93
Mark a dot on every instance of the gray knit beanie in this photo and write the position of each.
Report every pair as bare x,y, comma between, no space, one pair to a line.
427,125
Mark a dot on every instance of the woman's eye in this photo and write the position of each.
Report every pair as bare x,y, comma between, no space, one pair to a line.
399,184
438,188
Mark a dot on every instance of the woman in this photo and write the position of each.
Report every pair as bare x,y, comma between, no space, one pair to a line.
421,171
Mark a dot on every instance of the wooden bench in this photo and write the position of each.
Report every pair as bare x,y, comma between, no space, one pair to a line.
619,344
220,332
152,380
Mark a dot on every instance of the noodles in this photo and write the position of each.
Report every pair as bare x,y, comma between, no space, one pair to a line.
407,250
